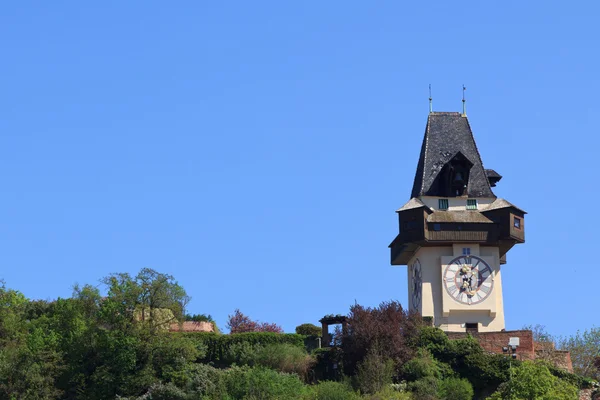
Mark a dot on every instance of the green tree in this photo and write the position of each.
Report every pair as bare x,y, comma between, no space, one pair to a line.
585,349
29,358
533,381
455,389
374,372
308,330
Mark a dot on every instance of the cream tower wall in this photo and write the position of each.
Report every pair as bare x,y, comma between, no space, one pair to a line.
456,203
448,314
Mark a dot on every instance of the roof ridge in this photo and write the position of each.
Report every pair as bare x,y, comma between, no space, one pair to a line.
487,181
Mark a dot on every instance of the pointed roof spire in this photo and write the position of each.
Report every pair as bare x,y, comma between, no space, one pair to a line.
448,145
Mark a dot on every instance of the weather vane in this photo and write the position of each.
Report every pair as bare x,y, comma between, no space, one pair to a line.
464,113
430,104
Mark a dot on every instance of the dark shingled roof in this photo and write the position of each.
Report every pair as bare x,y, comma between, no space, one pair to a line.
459,216
446,135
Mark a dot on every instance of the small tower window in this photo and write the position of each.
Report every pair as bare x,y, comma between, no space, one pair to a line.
472,327
517,223
410,225
443,204
471,204
466,251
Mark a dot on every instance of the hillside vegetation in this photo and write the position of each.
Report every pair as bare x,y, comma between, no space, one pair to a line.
116,345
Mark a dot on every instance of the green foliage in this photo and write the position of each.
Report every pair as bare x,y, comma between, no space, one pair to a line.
285,358
585,349
199,317
455,389
389,393
424,365
329,390
206,381
90,347
218,347
578,381
466,358
308,330
374,372
324,360
241,353
262,383
533,380
425,388
171,356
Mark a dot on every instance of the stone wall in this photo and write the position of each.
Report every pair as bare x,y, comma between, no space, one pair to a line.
495,341
527,350
192,326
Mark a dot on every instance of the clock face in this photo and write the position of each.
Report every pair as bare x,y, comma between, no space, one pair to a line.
468,279
417,283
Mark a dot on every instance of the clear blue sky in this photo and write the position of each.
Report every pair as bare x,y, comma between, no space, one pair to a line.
257,150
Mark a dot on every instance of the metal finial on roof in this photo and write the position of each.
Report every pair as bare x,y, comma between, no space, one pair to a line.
430,104
464,113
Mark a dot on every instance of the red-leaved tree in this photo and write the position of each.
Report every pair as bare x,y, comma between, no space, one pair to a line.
387,330
240,323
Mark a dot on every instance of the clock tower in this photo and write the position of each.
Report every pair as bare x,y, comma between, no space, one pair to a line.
454,232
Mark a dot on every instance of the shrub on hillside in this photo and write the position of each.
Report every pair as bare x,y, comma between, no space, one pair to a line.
374,372
206,381
285,358
262,383
221,349
455,389
533,380
465,358
424,388
308,330
422,366
329,390
171,356
241,353
389,393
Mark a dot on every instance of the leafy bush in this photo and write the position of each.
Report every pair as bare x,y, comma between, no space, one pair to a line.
220,349
578,381
533,380
161,391
332,391
285,358
421,366
425,388
455,389
389,393
206,381
172,355
374,372
262,383
308,330
241,353
466,358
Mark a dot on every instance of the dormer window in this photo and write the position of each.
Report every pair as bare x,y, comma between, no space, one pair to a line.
453,178
443,204
471,204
